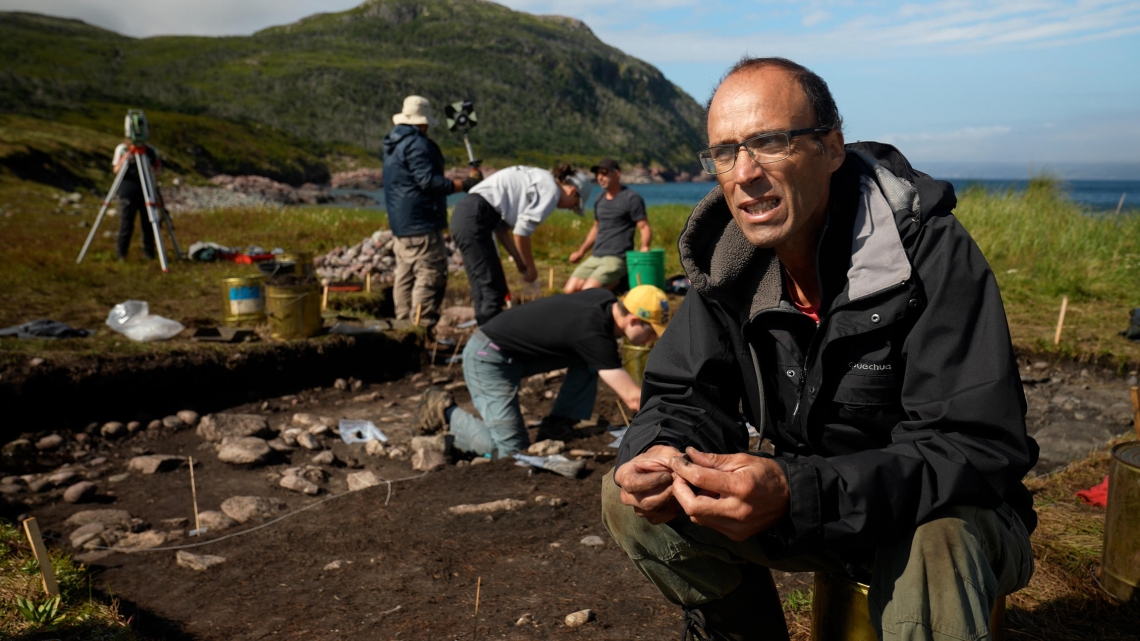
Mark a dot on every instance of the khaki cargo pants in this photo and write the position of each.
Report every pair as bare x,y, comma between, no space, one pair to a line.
937,582
421,276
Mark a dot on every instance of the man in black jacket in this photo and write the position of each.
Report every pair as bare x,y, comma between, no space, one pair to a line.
839,305
415,194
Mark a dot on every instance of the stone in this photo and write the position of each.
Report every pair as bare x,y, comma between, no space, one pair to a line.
552,501
356,385
172,422
176,522
216,427
579,618
154,425
98,460
40,484
80,492
302,419
440,380
50,442
546,448
1066,441
153,463
330,422
278,445
189,417
36,362
361,480
298,484
397,453
340,384
248,450
63,477
437,443
334,565
81,438
106,518
140,541
548,395
8,489
428,460
289,436
318,429
133,427
215,521
85,533
118,478
526,619
480,460
114,429
502,505
324,458
457,385
367,398
197,562
18,446
592,541
375,448
308,441
245,508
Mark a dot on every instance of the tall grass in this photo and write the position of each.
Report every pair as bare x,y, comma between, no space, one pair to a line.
1042,245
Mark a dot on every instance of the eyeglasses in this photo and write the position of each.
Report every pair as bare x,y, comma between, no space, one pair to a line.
763,149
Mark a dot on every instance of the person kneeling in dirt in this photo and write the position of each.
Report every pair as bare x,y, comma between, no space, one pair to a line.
575,331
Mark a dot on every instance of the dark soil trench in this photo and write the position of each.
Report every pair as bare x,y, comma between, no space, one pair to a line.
408,568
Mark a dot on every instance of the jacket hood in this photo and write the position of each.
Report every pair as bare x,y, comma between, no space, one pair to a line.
398,134
893,202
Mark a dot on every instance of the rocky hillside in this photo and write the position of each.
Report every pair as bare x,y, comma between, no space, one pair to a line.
545,87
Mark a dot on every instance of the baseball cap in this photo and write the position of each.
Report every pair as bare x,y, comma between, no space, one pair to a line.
650,305
582,183
605,163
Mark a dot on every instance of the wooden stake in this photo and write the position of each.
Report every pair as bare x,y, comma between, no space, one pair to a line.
1136,410
368,282
455,353
433,350
419,310
551,278
32,530
325,298
478,585
194,497
1061,320
623,415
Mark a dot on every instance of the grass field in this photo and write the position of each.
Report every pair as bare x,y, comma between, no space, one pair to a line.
1039,244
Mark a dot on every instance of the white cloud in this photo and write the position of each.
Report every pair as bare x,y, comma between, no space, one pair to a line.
816,17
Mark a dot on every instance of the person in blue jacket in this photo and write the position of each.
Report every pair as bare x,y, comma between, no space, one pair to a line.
415,193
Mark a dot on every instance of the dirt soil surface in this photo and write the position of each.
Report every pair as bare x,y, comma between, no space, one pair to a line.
408,569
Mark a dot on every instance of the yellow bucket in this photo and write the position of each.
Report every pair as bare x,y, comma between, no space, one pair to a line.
294,310
303,262
839,611
1120,560
243,301
633,359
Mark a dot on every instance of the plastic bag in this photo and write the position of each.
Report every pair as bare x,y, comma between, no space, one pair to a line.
554,463
134,320
354,431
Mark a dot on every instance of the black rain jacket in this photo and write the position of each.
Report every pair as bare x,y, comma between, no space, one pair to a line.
415,189
904,400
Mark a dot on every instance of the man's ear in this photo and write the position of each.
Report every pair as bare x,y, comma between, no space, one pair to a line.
834,150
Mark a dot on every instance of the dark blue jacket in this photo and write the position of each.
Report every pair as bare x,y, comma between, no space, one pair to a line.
415,189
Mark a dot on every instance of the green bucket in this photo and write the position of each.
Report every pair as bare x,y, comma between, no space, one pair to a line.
633,359
646,268
294,310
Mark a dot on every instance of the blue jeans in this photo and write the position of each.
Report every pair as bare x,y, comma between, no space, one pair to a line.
493,379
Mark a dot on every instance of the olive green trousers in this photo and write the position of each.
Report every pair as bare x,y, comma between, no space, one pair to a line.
936,582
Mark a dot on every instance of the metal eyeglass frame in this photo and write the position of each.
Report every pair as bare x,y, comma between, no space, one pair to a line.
707,161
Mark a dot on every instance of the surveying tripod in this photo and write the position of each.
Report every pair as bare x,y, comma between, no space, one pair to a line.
155,210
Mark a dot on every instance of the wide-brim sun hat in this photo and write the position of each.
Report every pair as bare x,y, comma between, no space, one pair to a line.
416,111
581,182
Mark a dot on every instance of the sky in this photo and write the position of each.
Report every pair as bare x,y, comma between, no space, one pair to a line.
1013,82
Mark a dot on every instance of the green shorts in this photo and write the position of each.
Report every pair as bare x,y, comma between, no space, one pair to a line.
607,270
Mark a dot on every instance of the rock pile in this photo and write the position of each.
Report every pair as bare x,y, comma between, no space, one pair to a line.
374,255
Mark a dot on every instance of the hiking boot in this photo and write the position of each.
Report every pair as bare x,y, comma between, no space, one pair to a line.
431,417
751,612
558,428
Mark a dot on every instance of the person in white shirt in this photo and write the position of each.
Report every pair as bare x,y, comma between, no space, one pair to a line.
509,205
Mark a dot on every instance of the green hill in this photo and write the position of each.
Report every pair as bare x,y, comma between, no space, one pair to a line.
545,87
